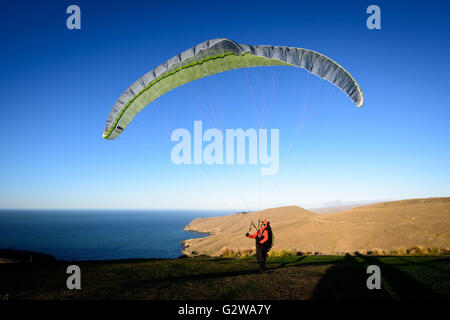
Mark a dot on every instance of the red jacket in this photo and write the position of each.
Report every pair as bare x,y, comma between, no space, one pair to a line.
262,233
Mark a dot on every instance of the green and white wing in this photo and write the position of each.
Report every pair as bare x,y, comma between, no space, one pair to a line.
215,56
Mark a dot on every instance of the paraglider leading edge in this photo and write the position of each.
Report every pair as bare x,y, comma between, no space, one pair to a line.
216,56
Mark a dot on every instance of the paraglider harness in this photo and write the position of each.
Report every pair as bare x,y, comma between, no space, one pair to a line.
266,246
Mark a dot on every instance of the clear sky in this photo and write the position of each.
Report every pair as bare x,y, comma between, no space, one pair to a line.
57,88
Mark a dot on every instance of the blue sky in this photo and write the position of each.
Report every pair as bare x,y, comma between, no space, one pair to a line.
58,86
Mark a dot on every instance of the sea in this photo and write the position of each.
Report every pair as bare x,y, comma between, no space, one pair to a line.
99,235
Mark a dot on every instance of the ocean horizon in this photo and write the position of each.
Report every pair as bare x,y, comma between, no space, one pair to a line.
99,234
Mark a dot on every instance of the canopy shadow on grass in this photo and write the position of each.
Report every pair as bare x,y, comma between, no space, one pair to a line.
347,281
403,285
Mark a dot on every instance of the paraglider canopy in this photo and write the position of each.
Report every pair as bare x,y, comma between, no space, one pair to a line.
216,56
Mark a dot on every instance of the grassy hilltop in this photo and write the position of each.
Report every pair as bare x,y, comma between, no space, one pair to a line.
293,277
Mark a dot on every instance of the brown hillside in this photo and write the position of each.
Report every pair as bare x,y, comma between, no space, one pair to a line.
384,226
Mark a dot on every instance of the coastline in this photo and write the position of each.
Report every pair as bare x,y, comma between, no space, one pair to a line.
188,242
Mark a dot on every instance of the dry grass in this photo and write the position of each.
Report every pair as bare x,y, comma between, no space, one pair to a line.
246,252
413,251
281,253
237,253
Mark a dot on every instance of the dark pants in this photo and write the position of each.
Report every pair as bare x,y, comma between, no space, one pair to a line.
261,254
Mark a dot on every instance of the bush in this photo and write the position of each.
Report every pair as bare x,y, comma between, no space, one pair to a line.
376,252
414,251
237,253
243,253
399,252
280,253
